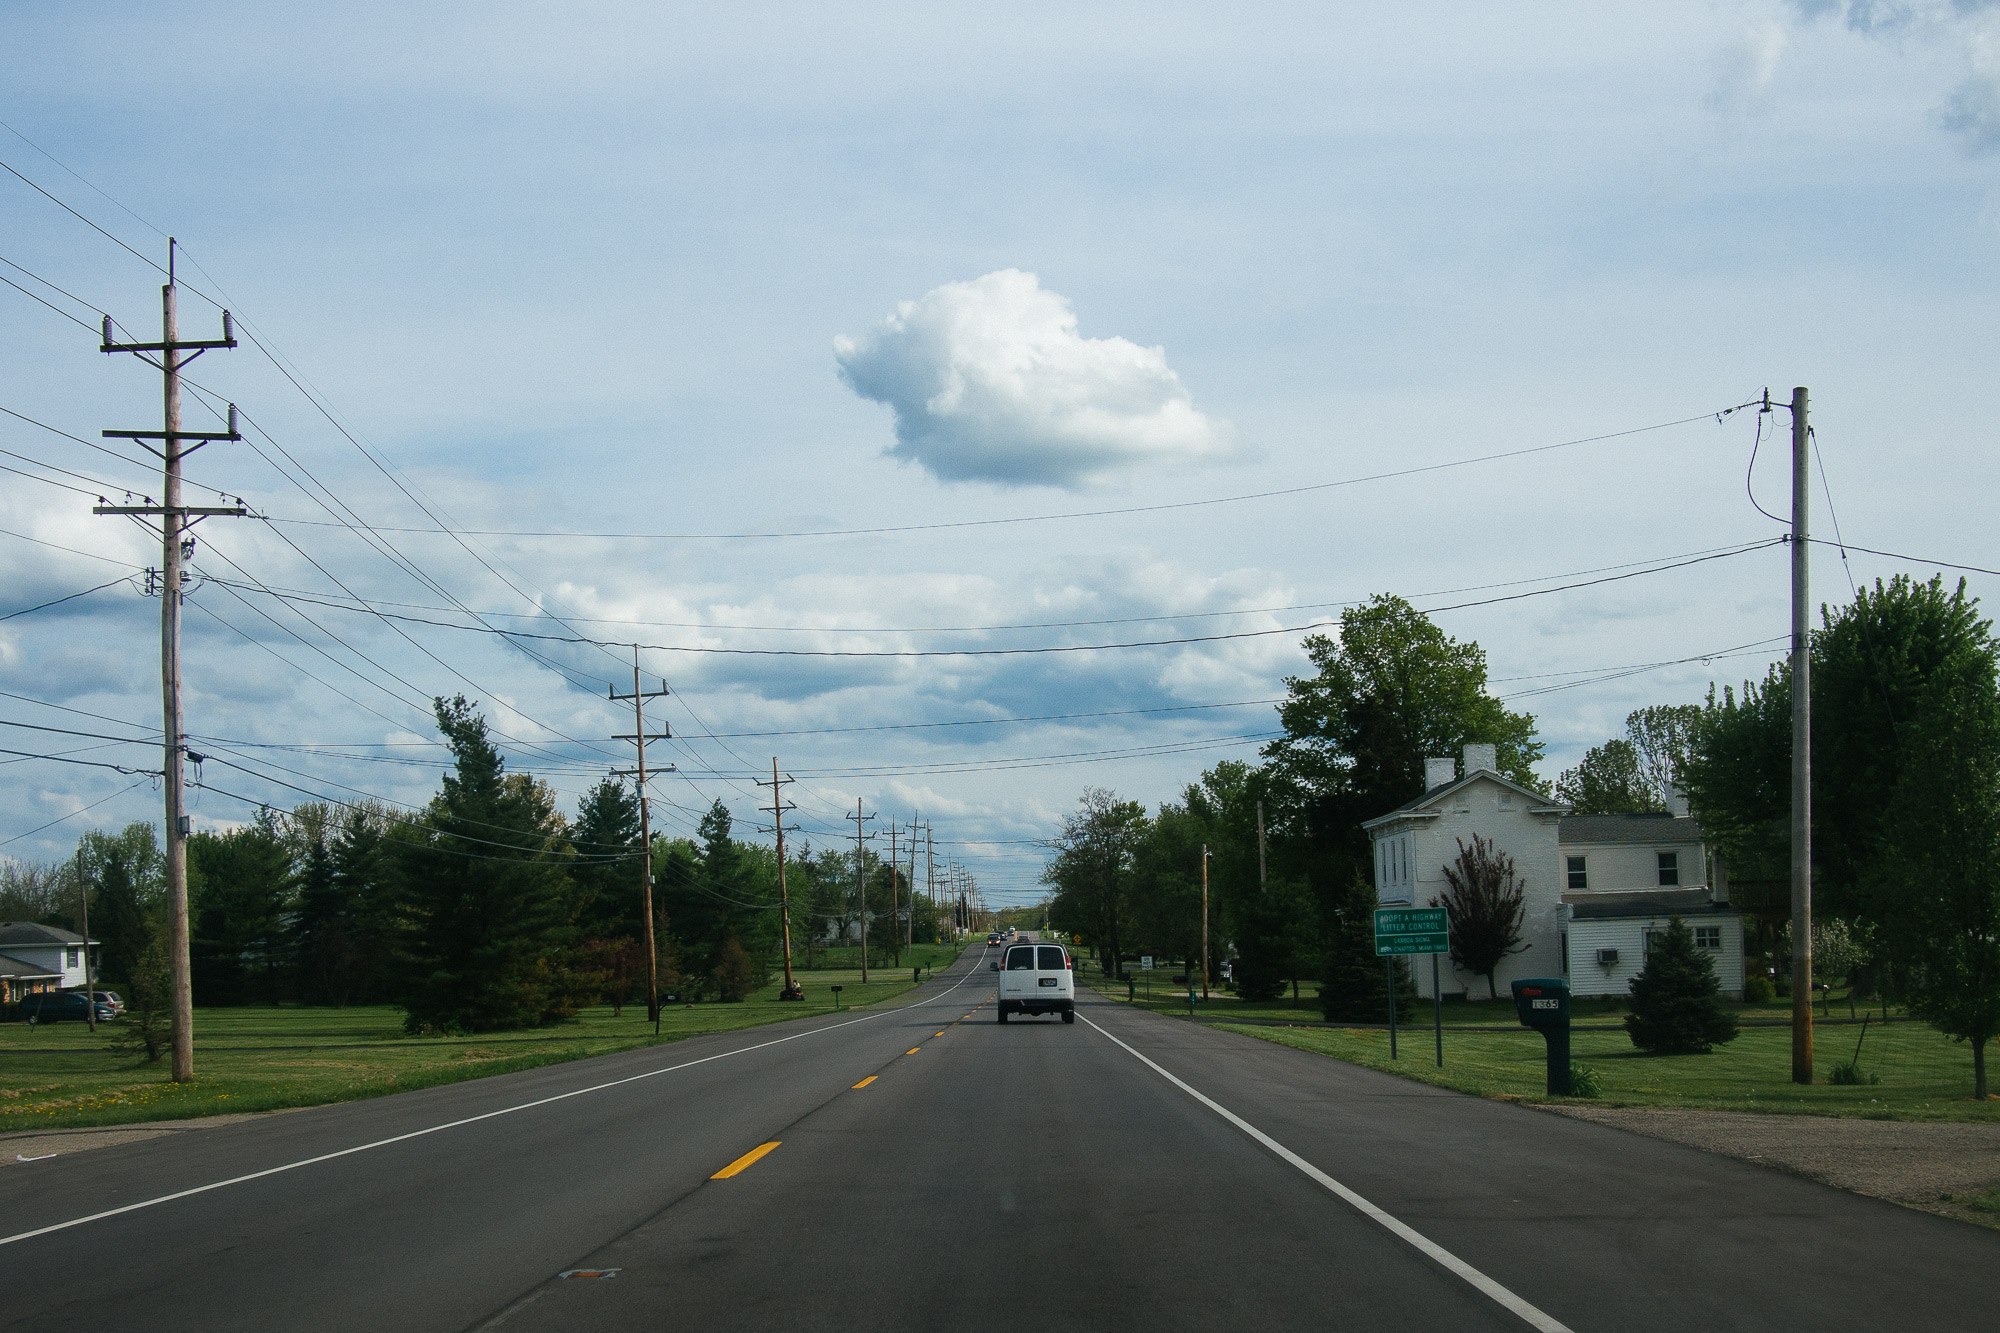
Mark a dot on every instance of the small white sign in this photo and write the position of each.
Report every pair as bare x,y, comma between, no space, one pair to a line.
1145,962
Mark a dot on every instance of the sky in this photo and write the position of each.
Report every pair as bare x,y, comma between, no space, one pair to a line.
807,347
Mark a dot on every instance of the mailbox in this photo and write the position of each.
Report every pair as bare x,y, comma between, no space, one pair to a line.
1542,1003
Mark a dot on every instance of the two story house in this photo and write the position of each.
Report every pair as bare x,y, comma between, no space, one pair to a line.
1625,877
38,958
1414,842
1597,889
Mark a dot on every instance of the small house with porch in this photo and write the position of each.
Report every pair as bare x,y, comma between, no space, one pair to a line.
38,958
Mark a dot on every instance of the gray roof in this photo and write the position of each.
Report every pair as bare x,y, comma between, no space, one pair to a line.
1647,903
1537,803
27,932
1594,829
20,971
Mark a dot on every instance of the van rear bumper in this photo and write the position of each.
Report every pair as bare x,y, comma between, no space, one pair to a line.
1050,1006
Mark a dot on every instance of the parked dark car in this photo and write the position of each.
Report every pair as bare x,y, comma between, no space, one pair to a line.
62,1007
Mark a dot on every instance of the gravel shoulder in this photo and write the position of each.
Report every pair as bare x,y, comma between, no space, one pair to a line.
26,1147
1923,1165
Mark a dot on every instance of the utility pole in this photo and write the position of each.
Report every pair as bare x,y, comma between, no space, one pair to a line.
861,882
1205,854
176,522
895,931
1260,846
930,876
777,807
911,936
83,909
1802,974
638,696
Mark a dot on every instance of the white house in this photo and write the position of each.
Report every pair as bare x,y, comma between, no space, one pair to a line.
37,958
1414,842
1625,877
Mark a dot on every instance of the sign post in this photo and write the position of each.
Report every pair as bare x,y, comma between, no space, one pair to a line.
1411,930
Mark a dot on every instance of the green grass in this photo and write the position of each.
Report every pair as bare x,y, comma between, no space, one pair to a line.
60,1076
1924,1075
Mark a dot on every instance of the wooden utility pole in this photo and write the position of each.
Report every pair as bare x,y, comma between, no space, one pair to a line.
895,931
638,696
911,936
777,807
83,910
861,882
176,545
1260,846
1205,854
1802,974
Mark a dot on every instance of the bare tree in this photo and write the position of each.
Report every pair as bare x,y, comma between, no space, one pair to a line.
1486,905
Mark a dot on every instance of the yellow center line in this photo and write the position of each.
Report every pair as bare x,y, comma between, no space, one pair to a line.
913,1050
866,1081
937,1034
747,1160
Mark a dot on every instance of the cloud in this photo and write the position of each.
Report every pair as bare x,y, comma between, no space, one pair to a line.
990,381
1744,70
1972,110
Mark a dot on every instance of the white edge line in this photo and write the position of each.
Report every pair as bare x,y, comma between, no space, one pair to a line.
1534,1317
469,1120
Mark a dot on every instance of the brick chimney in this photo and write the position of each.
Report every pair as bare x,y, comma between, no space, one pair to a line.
1439,773
1479,757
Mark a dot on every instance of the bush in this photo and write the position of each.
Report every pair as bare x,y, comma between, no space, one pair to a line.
1583,1082
1677,1006
735,974
146,1028
1757,989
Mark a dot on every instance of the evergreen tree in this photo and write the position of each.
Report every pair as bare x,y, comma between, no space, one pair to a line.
240,910
606,872
487,933
365,889
1354,984
146,1027
1677,1006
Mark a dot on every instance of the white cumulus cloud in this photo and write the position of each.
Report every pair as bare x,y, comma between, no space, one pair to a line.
990,381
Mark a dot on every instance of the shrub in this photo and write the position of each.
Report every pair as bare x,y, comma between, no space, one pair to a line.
1584,1082
146,1029
1757,989
735,974
1677,1006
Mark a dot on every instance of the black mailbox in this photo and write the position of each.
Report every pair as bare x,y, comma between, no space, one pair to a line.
1542,1003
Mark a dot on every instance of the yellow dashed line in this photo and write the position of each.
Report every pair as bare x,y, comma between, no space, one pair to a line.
866,1081
913,1050
747,1160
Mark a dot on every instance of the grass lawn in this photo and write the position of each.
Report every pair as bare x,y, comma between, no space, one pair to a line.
259,1059
1924,1076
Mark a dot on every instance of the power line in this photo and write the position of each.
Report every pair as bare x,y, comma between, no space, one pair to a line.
27,610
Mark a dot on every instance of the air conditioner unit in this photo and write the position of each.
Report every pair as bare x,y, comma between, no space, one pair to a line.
1606,957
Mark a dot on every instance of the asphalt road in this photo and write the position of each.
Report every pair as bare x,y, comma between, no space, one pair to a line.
1126,1171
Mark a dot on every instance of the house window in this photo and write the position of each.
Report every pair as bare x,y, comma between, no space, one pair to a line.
1670,869
76,958
1577,878
1708,937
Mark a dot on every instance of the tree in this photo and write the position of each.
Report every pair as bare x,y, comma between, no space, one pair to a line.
1662,738
606,870
240,909
735,975
1354,983
146,1028
1485,906
130,876
1677,1006
1936,897
488,933
1391,689
1091,867
1607,781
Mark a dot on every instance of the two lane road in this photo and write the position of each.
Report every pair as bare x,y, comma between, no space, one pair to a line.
933,1166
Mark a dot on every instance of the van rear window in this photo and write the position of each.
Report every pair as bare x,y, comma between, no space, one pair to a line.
1021,959
1051,959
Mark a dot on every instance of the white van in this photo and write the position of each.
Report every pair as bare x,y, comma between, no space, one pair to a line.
1037,979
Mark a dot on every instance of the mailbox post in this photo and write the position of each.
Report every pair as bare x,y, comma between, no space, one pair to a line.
1543,1004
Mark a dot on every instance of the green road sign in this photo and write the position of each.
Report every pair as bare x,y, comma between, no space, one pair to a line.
1410,930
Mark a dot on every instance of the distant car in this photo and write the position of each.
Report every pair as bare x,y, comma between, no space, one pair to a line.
992,939
62,1006
109,998
1037,979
